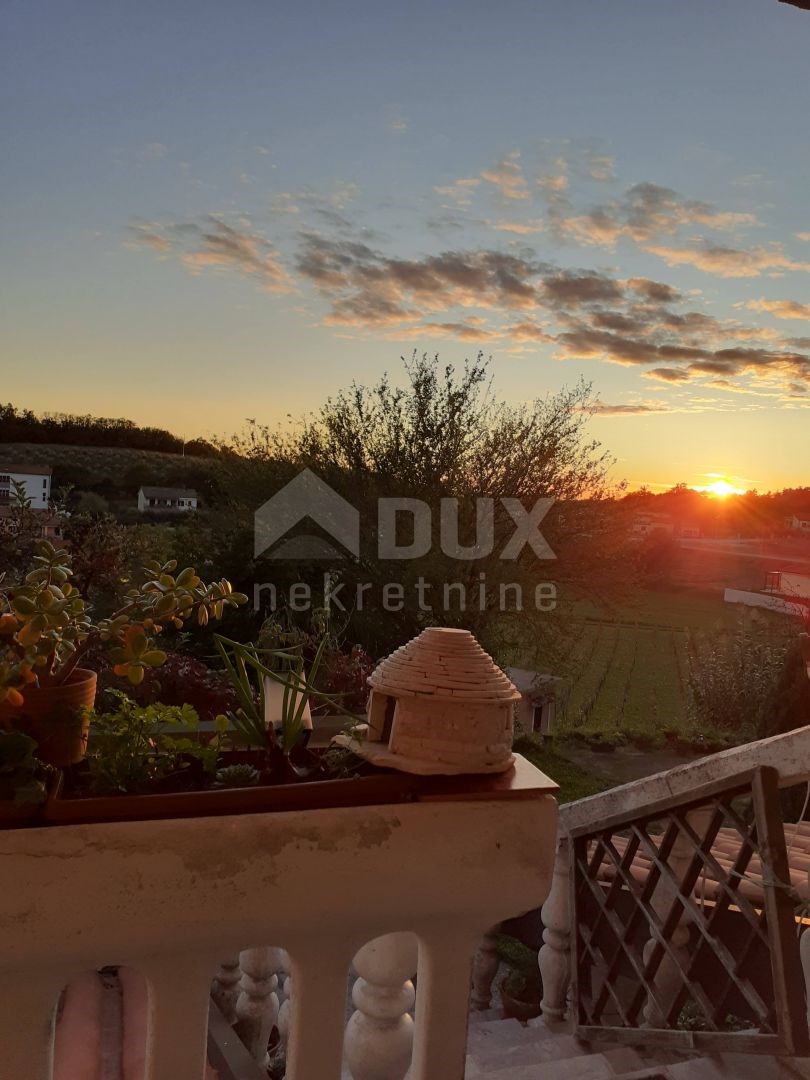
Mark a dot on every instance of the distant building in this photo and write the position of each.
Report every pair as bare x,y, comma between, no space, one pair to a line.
35,479
649,523
792,586
537,709
48,525
690,531
646,524
166,500
801,523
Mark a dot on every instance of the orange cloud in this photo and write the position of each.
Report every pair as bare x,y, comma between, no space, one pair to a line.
220,246
508,178
781,309
728,262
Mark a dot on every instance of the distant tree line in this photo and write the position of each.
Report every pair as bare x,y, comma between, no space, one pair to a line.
25,426
752,514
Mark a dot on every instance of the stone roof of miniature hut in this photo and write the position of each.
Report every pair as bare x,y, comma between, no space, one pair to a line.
443,663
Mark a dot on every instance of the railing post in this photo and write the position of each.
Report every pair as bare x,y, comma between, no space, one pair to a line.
27,1025
177,1025
379,1035
555,953
442,1004
225,987
257,1004
485,968
318,1011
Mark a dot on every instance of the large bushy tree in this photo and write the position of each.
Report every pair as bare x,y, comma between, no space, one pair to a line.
443,434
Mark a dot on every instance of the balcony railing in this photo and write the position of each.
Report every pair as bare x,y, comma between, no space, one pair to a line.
395,890
673,916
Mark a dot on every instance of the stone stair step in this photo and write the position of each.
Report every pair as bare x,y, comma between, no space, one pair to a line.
496,1027
698,1069
584,1067
499,1049
624,1059
528,1052
483,1016
485,1036
763,1067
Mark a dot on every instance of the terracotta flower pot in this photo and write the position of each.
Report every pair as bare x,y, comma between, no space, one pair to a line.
515,1009
51,715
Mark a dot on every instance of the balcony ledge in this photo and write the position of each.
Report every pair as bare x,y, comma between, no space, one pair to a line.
170,898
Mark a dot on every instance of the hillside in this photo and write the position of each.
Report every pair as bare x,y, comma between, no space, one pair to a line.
104,463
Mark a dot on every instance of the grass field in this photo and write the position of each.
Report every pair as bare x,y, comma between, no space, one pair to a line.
625,673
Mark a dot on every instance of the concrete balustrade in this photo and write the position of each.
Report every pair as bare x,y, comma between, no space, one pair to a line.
170,899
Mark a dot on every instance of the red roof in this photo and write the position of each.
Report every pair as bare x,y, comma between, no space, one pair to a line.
48,517
26,470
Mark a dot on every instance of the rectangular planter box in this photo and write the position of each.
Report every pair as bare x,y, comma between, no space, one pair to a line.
385,787
359,791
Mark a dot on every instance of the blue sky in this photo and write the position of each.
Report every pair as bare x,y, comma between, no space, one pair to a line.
218,211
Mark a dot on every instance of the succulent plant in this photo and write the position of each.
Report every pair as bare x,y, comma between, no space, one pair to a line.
236,776
46,628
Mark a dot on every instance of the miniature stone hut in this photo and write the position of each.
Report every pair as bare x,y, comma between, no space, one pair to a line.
439,704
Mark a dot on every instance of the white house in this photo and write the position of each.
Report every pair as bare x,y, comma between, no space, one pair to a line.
35,479
537,709
800,523
782,583
161,500
645,524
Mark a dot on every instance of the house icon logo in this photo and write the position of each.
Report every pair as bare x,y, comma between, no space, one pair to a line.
306,496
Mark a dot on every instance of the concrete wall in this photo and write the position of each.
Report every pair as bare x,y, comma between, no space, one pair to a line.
762,600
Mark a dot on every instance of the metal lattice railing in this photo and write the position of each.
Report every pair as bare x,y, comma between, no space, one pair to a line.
676,943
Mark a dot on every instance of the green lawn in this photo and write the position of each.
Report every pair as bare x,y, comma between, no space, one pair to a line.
575,782
625,669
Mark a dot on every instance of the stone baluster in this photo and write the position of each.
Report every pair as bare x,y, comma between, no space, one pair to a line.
668,981
555,953
257,1004
379,1035
225,987
485,968
285,997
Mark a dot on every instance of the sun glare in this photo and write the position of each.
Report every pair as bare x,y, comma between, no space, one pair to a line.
722,488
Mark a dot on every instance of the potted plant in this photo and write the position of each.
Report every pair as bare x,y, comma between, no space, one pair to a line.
47,632
148,762
22,779
151,762
521,988
274,692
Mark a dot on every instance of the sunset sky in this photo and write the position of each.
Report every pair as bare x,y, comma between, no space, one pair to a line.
217,211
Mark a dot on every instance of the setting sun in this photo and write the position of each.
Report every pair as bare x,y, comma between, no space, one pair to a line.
722,488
